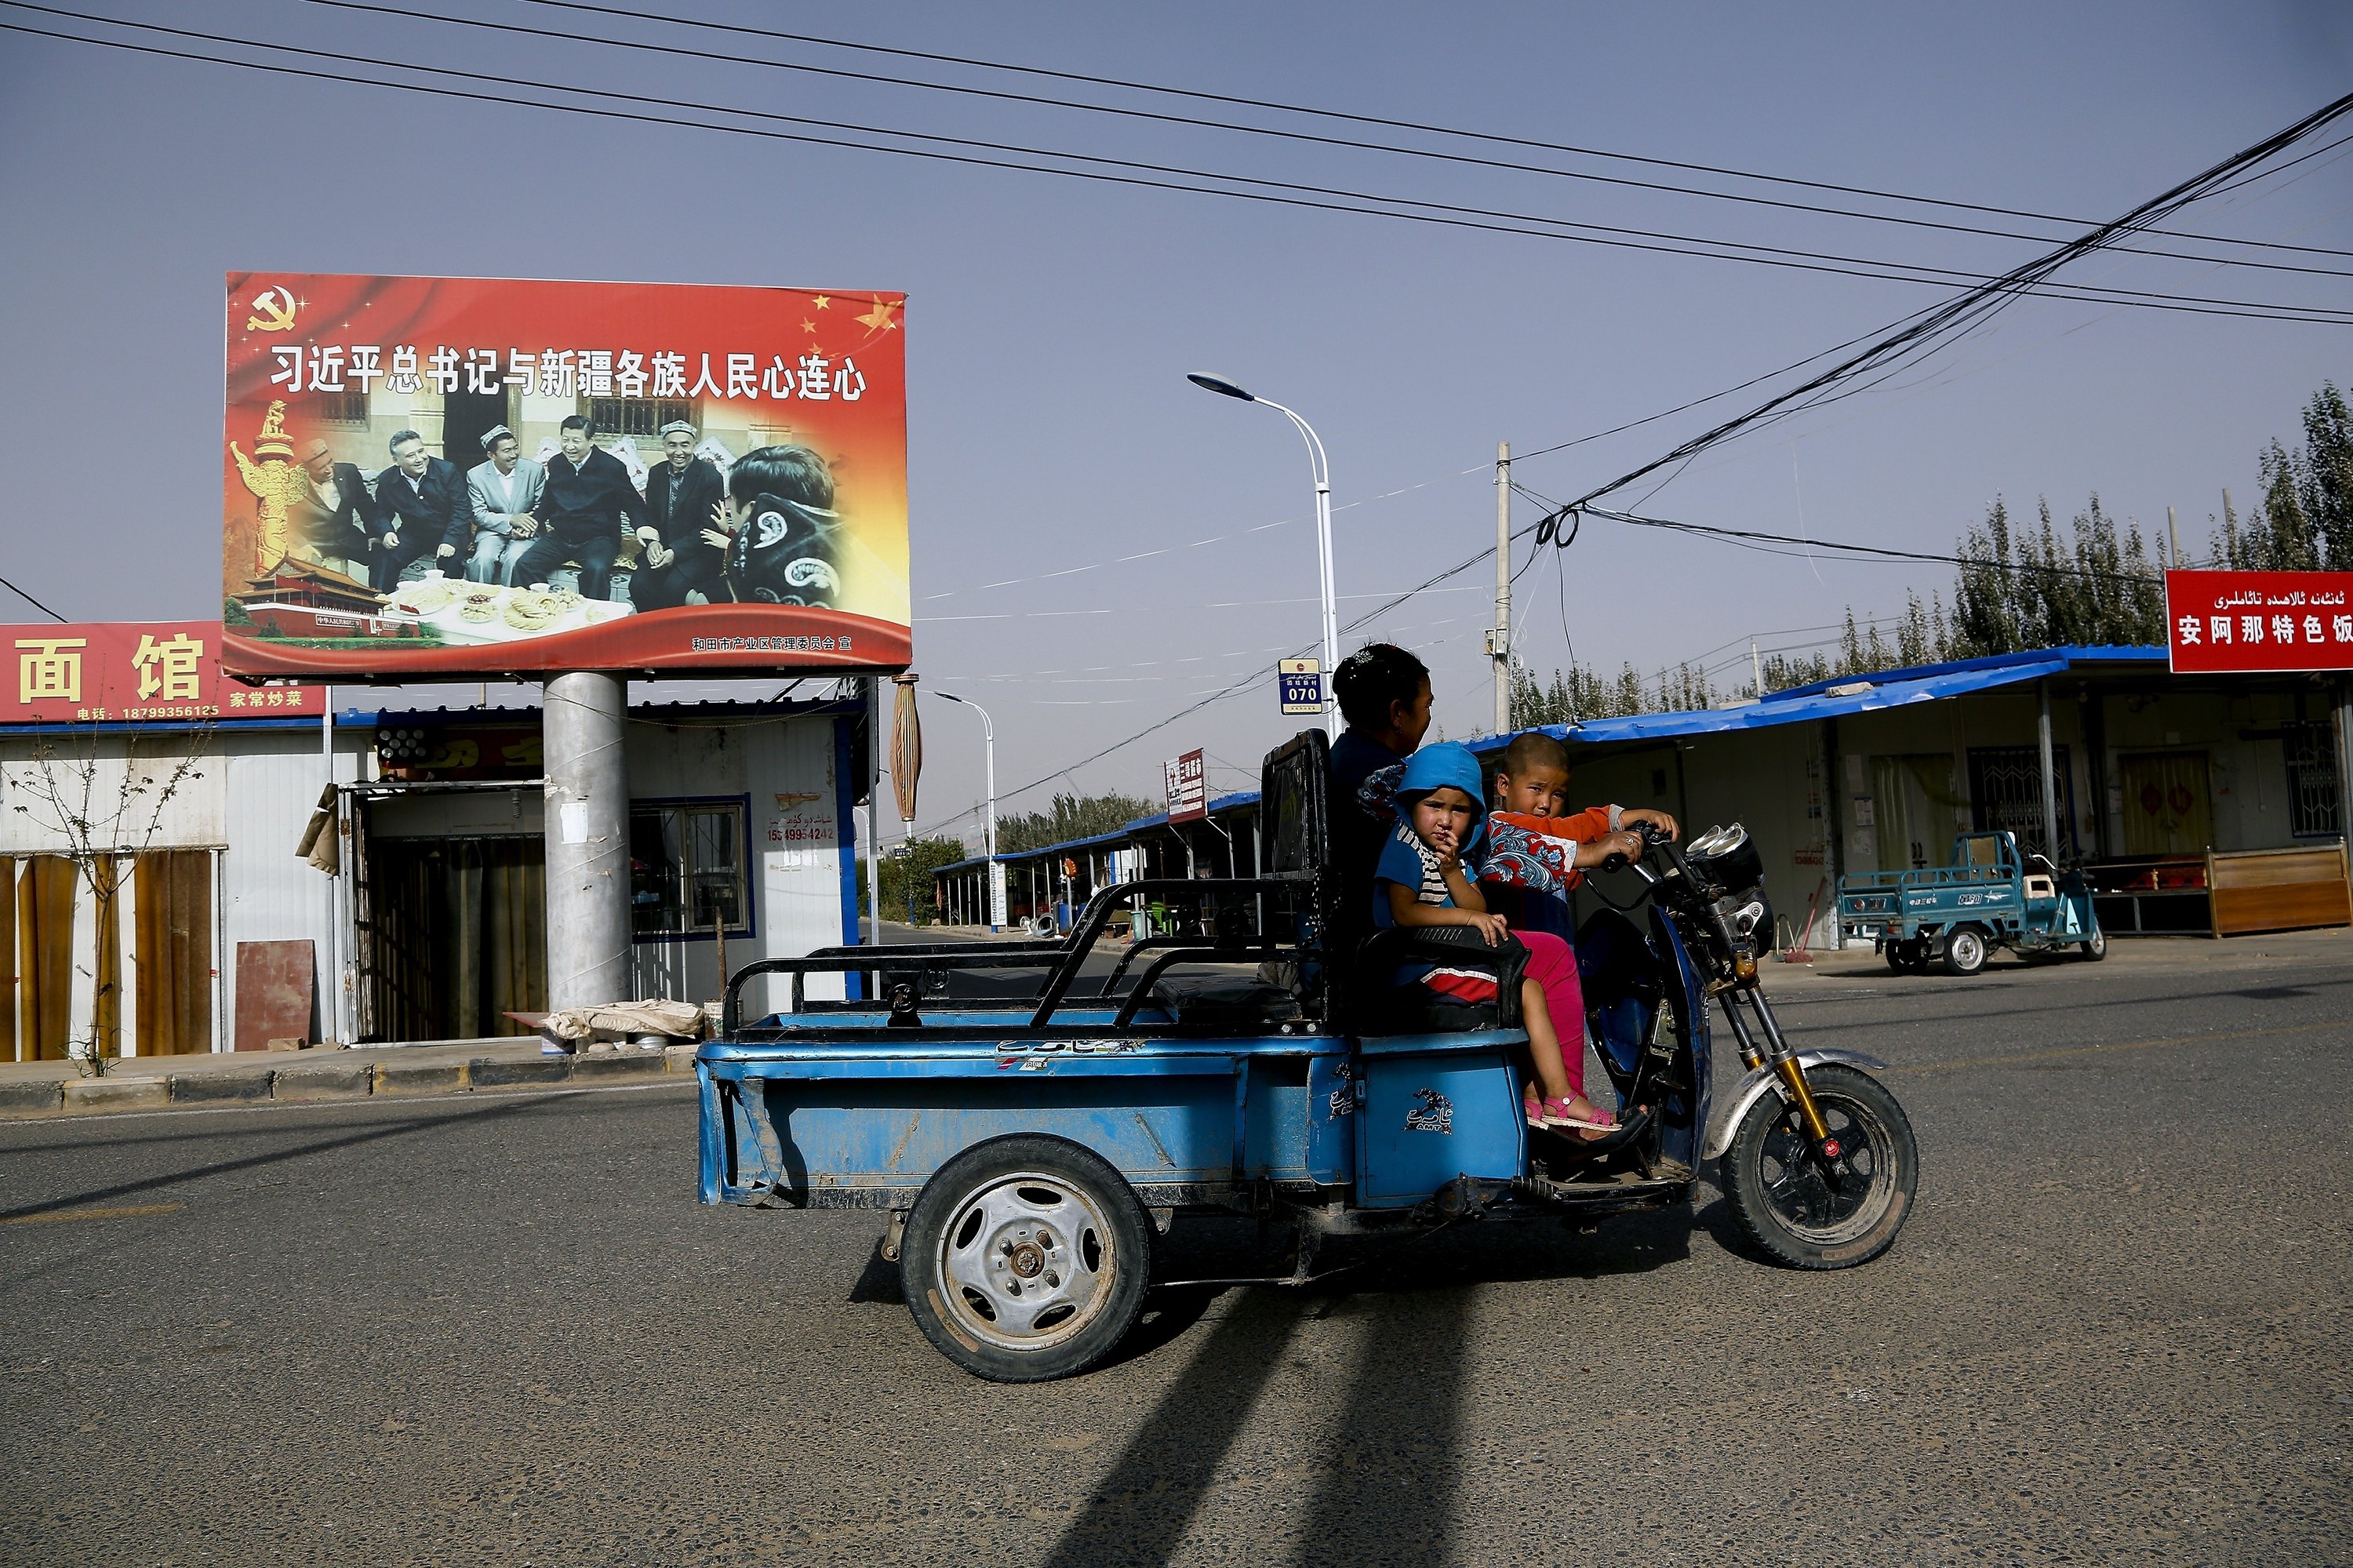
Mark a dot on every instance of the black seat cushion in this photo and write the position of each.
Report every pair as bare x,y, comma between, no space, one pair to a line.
1377,1006
1418,1009
1224,1002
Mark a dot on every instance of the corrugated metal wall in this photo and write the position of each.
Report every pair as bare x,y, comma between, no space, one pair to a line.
269,893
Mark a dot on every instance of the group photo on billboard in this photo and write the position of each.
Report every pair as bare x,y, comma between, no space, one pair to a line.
478,476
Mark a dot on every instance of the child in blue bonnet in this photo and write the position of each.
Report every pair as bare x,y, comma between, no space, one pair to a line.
1428,876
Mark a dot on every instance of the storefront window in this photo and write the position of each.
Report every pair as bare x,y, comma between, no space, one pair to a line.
2312,780
688,872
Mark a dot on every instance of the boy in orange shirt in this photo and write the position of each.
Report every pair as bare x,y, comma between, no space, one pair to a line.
1538,854
1537,848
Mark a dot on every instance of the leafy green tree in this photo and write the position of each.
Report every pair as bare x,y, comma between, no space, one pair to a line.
906,877
1070,817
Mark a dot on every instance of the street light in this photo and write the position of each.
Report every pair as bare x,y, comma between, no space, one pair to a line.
996,871
1322,474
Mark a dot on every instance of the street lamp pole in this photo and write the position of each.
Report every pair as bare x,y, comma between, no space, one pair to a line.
1322,474
996,871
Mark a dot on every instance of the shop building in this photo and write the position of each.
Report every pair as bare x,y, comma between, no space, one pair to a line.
2197,803
184,880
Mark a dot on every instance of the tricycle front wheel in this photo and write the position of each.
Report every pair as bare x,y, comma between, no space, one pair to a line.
1806,1214
1026,1258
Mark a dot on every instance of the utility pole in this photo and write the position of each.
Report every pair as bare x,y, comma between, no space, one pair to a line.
1499,641
2173,532
1757,669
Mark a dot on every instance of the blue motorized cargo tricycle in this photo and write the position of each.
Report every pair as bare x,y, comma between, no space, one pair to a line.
1031,1151
1991,896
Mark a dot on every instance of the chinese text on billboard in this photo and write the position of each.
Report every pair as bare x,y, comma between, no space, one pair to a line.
436,476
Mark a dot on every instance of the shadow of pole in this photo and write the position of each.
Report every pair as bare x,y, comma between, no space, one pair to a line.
402,1129
1143,1507
1391,1475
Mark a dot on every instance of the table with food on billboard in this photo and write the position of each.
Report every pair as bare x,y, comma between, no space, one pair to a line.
437,476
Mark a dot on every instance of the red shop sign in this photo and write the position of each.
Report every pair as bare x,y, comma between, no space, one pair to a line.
2251,621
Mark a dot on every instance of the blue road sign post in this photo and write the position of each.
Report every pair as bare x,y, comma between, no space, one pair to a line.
1301,682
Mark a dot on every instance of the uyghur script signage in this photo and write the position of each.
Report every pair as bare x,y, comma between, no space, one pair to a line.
2251,621
468,476
162,672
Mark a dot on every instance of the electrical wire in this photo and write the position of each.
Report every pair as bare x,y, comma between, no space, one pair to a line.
642,46
1441,213
779,34
1971,307
28,598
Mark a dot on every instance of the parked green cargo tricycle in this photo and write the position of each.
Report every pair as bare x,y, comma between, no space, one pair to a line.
1955,915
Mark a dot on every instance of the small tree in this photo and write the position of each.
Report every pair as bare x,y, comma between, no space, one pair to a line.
906,877
101,818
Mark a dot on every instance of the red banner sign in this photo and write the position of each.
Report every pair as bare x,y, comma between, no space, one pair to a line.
1188,788
135,672
466,476
2253,621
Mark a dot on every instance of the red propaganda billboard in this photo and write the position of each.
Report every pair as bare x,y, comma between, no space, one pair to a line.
468,476
2259,620
137,672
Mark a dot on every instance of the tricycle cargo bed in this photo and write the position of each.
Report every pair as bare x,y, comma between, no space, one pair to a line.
858,1121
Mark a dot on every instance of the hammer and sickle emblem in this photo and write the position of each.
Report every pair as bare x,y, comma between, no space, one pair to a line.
275,309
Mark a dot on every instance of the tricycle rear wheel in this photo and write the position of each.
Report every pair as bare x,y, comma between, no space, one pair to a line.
1774,1183
1026,1258
1965,951
1908,956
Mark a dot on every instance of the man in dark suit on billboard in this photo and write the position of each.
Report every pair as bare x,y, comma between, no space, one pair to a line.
685,546
421,511
584,508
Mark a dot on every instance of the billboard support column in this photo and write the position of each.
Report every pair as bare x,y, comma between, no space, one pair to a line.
587,786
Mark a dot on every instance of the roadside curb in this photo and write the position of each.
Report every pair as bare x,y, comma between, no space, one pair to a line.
334,1079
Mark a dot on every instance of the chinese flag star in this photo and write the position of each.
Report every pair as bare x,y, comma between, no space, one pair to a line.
879,319
808,326
822,301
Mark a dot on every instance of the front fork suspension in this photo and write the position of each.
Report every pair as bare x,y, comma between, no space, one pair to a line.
1784,1063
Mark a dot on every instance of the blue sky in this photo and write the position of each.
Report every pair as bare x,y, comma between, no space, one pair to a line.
1051,320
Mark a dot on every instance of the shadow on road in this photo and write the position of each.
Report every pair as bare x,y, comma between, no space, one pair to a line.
1146,1503
1387,1490
276,1156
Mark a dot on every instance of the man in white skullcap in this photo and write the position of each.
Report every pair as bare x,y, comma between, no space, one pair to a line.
502,491
683,533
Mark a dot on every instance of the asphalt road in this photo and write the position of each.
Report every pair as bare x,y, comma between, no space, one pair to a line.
501,1330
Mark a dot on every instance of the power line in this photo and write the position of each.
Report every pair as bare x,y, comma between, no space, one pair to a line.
1345,117
1883,551
1438,213
1198,122
28,598
1974,306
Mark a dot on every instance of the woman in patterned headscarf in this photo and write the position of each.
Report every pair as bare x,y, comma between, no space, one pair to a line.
786,544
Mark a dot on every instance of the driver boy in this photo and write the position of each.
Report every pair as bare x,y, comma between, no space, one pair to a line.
1537,854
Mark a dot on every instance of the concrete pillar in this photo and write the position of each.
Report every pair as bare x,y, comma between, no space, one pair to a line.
583,717
2050,773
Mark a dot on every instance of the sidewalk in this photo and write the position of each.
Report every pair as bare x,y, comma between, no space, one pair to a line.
1844,971
37,1089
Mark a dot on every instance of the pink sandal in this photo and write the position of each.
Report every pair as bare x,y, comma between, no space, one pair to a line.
1558,1114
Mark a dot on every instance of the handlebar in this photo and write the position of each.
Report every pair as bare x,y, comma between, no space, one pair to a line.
1653,836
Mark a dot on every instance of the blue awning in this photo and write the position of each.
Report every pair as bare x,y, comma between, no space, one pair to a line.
1839,697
